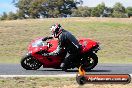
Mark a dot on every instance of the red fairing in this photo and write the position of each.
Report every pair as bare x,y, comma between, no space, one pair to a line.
87,44
33,50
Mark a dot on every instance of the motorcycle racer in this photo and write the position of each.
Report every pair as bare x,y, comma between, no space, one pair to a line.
65,52
66,41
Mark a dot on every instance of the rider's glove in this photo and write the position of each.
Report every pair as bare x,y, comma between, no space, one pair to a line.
46,38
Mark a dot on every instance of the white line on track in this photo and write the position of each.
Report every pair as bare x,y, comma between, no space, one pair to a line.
59,75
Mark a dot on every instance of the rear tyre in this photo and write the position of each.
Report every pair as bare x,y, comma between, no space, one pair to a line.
90,62
28,62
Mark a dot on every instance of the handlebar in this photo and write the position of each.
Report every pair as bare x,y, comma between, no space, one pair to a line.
46,38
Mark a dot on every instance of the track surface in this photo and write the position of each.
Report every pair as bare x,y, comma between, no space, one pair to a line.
16,69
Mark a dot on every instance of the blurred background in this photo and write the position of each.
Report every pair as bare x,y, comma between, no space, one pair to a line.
106,21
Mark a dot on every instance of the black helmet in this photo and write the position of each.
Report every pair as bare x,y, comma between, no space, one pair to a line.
56,30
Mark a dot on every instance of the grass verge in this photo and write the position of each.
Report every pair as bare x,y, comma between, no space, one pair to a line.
34,82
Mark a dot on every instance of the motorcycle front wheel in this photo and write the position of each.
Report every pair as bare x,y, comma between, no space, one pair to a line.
28,62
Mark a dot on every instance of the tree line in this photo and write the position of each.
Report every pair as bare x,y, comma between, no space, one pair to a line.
117,11
63,8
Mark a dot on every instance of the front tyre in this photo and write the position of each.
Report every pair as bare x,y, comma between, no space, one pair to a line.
90,61
28,62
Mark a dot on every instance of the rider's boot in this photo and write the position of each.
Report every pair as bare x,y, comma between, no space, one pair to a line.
63,67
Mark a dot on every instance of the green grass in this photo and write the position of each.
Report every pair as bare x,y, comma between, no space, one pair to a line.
115,36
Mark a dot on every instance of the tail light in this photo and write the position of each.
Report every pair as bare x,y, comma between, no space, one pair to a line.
97,47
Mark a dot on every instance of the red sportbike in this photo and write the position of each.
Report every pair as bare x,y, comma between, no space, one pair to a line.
34,59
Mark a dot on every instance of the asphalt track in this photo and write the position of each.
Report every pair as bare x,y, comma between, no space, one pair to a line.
16,70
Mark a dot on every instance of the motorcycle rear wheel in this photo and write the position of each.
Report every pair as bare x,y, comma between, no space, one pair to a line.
28,62
90,62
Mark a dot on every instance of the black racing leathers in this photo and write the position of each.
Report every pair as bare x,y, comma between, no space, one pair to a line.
71,45
68,42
